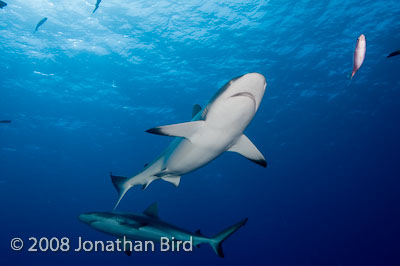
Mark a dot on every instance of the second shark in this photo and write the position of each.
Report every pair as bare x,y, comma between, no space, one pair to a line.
147,226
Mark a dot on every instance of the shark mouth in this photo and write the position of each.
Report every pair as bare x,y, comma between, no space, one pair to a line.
246,94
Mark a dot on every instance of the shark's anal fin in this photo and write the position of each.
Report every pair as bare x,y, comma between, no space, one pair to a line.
152,210
184,130
246,148
196,109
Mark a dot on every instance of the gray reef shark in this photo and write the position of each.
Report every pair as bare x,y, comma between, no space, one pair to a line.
148,227
5,121
213,130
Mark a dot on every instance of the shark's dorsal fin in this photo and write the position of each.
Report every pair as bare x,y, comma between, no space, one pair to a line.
246,148
152,210
196,109
184,130
198,232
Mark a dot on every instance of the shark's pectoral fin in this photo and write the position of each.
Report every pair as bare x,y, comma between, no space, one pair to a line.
175,180
128,252
184,130
152,210
126,248
247,149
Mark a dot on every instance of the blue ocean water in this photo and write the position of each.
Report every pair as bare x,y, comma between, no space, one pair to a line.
83,89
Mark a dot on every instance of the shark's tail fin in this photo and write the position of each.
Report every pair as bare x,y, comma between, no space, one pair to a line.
216,241
120,184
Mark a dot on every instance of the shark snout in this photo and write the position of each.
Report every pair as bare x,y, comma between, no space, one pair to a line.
256,77
252,85
86,218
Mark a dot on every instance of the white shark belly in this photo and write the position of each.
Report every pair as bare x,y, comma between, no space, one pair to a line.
231,115
224,124
188,156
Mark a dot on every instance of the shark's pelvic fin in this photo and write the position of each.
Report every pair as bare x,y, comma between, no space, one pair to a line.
216,241
246,148
175,180
184,130
152,210
196,109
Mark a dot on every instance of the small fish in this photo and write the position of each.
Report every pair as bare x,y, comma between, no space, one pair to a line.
359,54
394,53
40,24
5,121
2,4
96,6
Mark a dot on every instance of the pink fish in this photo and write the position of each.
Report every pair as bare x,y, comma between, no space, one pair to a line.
359,54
